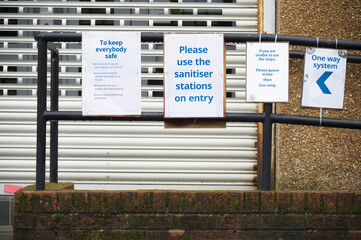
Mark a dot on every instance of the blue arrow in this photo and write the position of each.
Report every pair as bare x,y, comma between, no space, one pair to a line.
321,82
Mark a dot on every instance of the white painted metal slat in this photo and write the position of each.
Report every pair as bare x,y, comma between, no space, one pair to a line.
137,166
133,143
123,129
156,155
166,181
148,104
133,4
124,155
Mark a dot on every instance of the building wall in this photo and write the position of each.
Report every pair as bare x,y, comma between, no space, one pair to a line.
319,158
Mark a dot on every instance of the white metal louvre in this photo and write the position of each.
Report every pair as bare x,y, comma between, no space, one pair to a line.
124,154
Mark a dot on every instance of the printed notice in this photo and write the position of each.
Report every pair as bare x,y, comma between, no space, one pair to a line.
267,72
324,78
111,73
194,75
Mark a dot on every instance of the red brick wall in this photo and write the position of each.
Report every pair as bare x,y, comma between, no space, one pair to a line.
69,214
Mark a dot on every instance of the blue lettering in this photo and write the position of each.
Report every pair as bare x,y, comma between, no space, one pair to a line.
180,98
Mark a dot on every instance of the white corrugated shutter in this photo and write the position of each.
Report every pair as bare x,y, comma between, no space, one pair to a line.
122,155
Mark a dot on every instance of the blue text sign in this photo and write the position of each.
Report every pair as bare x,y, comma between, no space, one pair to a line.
111,73
324,78
194,79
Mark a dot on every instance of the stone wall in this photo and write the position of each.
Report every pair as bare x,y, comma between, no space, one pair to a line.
319,158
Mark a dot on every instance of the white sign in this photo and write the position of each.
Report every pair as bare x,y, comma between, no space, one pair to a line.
324,78
194,79
267,72
111,78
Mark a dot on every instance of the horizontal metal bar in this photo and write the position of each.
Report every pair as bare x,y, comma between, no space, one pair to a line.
59,37
149,116
229,37
350,58
316,121
295,40
230,117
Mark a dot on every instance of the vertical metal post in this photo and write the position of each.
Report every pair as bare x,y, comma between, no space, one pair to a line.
41,122
54,106
267,147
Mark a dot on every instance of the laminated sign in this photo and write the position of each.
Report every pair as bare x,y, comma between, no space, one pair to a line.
194,79
324,78
111,73
267,72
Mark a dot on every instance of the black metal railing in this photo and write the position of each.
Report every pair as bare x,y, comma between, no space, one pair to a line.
267,118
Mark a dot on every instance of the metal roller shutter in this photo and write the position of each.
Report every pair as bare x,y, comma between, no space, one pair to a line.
124,155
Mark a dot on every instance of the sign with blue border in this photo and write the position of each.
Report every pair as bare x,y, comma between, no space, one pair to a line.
324,78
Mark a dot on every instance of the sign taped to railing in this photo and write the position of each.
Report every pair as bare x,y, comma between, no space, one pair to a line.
194,76
324,78
267,72
111,73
